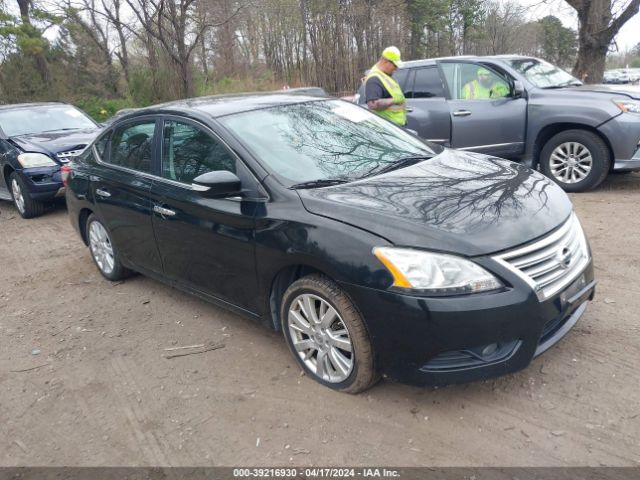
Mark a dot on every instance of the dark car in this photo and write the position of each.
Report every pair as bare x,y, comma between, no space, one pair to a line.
36,139
575,134
372,251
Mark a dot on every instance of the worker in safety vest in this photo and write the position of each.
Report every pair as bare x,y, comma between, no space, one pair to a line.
487,85
382,93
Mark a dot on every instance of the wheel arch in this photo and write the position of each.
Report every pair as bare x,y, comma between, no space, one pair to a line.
279,284
83,216
547,132
6,173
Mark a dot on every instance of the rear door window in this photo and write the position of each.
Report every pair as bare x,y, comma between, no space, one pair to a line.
400,76
132,146
426,84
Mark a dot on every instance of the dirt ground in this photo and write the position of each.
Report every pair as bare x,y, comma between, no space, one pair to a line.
103,394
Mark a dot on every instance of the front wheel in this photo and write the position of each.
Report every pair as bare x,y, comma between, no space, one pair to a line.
27,207
327,335
104,252
577,160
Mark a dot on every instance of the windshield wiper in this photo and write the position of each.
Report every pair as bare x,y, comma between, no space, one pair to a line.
572,83
58,130
401,163
323,182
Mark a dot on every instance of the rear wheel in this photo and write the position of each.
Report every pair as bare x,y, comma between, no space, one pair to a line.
577,160
104,252
327,335
27,207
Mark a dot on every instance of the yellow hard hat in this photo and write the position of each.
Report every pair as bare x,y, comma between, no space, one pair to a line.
393,55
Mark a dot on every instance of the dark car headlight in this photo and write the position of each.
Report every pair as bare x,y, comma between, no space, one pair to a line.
435,273
30,160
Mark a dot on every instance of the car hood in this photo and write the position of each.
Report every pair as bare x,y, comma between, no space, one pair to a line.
52,143
626,90
457,202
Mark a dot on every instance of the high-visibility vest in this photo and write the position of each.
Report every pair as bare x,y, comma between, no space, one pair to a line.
474,90
396,113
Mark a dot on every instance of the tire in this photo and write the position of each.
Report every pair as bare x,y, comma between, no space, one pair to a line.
27,207
103,252
584,156
349,372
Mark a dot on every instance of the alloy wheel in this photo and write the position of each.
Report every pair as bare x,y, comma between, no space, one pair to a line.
571,162
320,338
18,198
101,247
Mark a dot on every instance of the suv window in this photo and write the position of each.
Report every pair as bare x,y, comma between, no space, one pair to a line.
426,84
470,81
132,146
400,76
189,151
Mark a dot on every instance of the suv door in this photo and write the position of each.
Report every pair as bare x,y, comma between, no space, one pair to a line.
121,187
427,108
495,125
206,244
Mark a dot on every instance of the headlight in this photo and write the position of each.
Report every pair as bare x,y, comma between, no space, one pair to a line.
28,160
435,273
627,106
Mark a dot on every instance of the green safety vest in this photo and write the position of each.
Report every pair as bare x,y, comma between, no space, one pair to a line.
395,113
475,91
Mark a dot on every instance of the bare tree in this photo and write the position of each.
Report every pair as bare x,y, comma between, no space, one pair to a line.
599,23
171,23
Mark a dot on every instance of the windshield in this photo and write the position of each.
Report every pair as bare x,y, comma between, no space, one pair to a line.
44,118
327,139
543,74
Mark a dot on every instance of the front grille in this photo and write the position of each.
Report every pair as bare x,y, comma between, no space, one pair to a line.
69,154
550,264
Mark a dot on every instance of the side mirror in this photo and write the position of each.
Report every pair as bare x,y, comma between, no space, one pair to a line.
518,89
221,183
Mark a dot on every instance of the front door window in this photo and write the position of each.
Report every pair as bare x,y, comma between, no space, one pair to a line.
189,151
470,81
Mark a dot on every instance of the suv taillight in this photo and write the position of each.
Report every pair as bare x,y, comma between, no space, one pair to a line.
65,172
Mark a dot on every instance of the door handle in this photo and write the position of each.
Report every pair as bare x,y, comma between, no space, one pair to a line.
163,211
102,193
409,109
461,113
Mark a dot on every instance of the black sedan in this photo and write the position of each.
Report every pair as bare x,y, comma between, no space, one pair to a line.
36,140
374,252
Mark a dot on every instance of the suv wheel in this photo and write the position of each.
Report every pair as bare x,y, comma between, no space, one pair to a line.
576,160
27,207
327,335
104,252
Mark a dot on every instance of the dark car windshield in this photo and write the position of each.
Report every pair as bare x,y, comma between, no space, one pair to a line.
43,118
326,139
543,74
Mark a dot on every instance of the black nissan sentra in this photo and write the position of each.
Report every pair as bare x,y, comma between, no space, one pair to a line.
374,252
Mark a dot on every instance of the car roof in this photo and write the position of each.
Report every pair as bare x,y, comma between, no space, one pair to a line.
220,105
431,61
17,106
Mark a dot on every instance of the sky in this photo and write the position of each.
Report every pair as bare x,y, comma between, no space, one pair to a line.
627,37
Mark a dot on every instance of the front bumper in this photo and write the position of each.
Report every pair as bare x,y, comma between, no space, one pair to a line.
439,341
623,132
628,165
44,183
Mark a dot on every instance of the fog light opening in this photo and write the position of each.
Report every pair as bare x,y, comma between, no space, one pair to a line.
489,349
